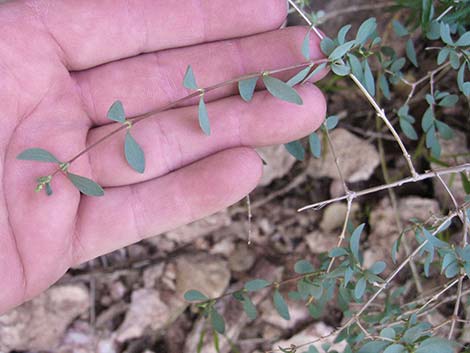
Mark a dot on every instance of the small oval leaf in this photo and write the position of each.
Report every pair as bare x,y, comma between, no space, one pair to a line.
189,80
37,154
195,296
204,122
282,90
134,154
256,285
86,186
281,305
116,112
247,88
217,321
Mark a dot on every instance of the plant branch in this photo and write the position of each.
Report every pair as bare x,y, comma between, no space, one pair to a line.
375,189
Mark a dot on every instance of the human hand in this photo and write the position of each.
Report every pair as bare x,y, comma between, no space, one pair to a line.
63,63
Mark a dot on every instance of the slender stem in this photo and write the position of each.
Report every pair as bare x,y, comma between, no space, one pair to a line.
136,119
381,113
373,190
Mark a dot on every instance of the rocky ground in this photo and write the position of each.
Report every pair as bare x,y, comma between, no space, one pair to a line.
131,301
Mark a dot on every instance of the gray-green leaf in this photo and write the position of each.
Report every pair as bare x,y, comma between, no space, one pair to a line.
217,321
37,154
411,52
249,308
116,112
86,186
395,348
189,79
281,305
315,145
195,296
204,122
134,154
296,149
256,285
299,77
303,266
355,239
306,46
247,88
281,90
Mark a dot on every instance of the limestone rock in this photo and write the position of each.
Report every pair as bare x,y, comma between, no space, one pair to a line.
279,163
357,158
146,312
40,323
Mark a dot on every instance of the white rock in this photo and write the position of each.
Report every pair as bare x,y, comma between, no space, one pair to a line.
279,163
203,272
40,324
146,311
357,158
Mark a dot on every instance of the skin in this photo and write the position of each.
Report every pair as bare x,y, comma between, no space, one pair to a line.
63,63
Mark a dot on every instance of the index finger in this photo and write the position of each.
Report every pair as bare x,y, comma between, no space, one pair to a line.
88,33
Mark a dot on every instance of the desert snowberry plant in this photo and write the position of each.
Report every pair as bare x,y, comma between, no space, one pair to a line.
379,313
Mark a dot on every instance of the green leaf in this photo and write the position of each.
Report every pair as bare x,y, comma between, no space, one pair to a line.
342,33
256,285
134,154
332,122
443,55
378,267
204,122
247,88
327,45
445,33
399,29
312,349
340,68
337,252
369,79
464,40
435,345
360,288
316,71
49,191
408,129
433,240
296,149
355,239
217,321
249,308
388,332
299,77
341,50
303,267
86,186
366,30
37,154
384,86
281,305
116,112
315,145
395,348
356,67
449,101
374,347
306,46
411,52
444,130
195,296
189,79
281,90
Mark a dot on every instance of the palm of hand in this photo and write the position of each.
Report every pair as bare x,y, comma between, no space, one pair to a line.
56,98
